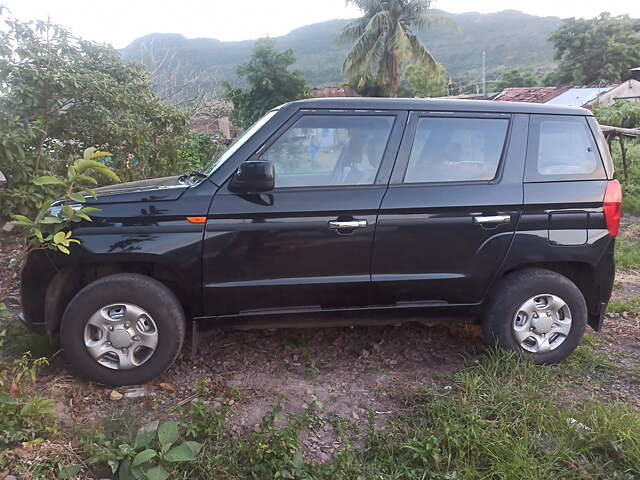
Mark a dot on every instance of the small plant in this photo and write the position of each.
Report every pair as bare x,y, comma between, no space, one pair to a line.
50,227
153,449
22,418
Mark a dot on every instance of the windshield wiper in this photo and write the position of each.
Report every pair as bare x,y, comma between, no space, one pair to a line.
195,173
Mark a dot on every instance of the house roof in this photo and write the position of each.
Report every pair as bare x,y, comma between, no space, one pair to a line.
579,96
330,92
530,94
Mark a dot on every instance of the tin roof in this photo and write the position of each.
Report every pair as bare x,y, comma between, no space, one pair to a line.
579,96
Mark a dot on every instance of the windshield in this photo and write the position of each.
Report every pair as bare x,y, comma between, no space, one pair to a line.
237,143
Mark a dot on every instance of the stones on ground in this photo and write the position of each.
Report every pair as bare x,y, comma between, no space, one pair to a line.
167,387
8,227
136,393
116,395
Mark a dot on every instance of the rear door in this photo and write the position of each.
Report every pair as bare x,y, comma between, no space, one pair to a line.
307,244
451,209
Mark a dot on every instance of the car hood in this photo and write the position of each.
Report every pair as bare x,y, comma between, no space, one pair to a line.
155,189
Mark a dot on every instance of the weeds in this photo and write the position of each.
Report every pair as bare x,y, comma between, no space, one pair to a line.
24,417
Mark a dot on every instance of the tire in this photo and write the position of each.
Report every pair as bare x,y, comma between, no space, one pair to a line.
125,294
538,287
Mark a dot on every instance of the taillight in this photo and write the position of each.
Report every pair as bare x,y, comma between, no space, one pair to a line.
613,207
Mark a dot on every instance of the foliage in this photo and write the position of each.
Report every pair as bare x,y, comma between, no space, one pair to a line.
50,227
385,40
59,94
426,81
630,189
622,113
199,150
515,78
24,417
150,454
270,83
596,51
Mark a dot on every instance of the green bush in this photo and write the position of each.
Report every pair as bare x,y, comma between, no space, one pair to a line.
60,94
24,417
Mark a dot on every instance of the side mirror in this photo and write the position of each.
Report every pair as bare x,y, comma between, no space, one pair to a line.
3,180
254,176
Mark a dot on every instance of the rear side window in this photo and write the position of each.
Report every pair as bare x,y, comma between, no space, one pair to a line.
456,149
562,148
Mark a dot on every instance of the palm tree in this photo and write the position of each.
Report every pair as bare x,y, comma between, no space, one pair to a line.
385,40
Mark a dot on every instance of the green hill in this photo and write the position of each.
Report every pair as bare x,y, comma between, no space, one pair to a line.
511,39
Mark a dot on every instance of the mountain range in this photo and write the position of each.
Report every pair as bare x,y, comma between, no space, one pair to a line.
511,39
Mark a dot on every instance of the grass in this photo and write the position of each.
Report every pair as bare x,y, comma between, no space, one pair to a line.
627,254
626,305
504,418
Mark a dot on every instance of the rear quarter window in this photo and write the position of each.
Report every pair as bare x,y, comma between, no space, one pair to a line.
562,148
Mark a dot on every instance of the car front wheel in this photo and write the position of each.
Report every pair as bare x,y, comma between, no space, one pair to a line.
123,329
538,313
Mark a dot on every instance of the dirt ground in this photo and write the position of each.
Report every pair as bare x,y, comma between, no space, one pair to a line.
348,371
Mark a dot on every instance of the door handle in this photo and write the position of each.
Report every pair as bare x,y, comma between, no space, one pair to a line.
347,224
492,219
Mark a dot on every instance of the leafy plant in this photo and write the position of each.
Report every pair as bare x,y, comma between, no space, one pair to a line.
60,94
22,418
50,227
153,449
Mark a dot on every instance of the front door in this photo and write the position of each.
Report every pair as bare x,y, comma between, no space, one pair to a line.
448,218
307,244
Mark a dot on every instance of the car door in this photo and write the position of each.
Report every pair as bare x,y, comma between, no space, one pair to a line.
307,244
453,203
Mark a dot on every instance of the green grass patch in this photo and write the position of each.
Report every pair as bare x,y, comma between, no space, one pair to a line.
626,305
20,340
503,418
627,254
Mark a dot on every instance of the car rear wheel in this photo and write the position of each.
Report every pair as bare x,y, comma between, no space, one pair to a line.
537,313
123,329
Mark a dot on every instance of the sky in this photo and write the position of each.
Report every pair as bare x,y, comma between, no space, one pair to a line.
120,21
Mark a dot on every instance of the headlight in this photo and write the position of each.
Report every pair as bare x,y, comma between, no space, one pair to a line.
56,209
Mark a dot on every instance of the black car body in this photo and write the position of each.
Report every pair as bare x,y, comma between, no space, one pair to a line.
448,199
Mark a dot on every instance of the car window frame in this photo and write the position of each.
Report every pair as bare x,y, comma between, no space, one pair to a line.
388,157
402,165
531,173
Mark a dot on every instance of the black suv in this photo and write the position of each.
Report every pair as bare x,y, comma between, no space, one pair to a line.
347,211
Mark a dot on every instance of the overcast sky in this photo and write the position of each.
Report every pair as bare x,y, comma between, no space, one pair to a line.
120,21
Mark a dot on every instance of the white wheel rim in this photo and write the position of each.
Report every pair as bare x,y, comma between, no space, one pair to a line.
542,323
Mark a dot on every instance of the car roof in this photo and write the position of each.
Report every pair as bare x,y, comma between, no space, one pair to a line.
436,104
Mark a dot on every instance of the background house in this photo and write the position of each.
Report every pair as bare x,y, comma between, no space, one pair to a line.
578,96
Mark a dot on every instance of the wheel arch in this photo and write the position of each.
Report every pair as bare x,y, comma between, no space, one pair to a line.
582,274
67,282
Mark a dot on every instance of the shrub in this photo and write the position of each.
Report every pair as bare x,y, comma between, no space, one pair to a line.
60,94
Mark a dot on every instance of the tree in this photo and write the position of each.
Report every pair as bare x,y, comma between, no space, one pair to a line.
515,78
623,114
270,83
596,51
385,40
60,94
425,81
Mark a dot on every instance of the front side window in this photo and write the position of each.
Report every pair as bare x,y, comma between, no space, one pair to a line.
456,149
328,150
